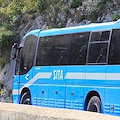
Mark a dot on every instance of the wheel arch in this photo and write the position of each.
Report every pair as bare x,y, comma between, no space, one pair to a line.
89,95
25,90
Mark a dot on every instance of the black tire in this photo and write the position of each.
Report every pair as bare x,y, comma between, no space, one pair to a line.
26,99
94,104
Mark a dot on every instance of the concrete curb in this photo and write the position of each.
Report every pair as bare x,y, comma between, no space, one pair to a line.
9,111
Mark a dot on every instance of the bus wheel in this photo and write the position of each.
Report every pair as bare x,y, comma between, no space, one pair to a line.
25,99
94,104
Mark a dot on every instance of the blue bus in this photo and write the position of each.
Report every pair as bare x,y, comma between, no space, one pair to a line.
72,68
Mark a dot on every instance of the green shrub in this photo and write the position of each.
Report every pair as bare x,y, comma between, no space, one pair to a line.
42,4
9,93
2,62
16,6
109,0
115,17
94,16
2,92
6,40
4,3
76,3
7,26
101,6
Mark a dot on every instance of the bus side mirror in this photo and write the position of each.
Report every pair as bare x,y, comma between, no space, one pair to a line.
14,51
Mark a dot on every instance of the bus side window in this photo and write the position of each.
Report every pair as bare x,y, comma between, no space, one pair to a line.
102,55
114,52
105,36
61,50
78,49
97,53
95,36
98,47
45,51
100,36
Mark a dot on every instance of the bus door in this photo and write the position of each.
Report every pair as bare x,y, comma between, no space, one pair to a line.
42,76
26,78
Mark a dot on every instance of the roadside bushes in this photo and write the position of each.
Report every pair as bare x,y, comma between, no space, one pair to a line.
2,91
76,3
7,38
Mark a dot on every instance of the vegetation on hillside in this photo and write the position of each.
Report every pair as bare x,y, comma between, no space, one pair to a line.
2,91
12,12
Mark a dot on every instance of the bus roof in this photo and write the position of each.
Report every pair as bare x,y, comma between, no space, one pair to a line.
76,29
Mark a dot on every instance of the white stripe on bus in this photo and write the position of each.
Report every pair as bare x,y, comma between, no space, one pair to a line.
89,76
93,76
15,91
71,75
112,76
40,75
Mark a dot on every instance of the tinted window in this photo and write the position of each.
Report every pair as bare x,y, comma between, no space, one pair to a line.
105,36
53,50
98,46
97,53
18,60
100,36
114,55
61,50
78,48
27,54
95,36
45,51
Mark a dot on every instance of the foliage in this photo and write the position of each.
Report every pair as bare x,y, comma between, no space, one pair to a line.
10,93
2,91
2,62
57,15
42,4
94,16
56,12
30,6
76,3
14,9
11,12
7,37
4,3
108,0
115,17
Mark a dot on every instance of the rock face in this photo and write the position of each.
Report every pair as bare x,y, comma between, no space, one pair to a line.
107,11
6,78
75,16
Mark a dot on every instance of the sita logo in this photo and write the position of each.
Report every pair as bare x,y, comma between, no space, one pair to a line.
58,75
